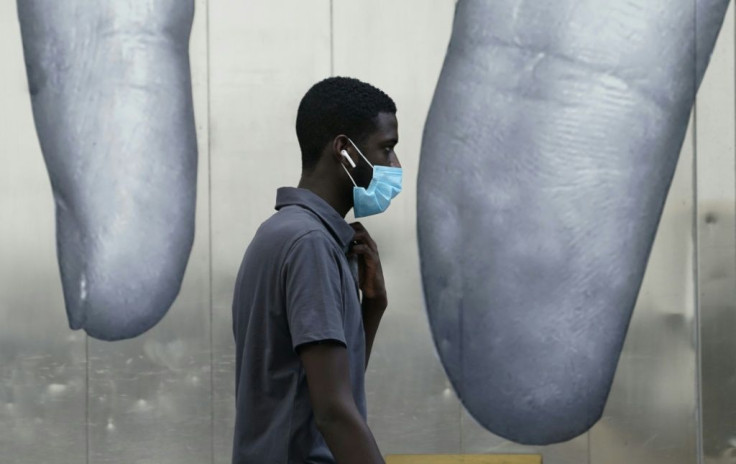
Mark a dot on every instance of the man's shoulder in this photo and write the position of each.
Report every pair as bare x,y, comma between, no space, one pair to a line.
289,226
290,221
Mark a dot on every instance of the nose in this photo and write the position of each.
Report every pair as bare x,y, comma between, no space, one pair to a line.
394,163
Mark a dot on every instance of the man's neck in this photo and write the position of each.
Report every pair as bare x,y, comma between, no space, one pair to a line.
327,192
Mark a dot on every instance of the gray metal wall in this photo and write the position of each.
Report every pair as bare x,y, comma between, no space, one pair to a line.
167,396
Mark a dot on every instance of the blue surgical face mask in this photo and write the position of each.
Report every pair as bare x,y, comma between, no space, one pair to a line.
384,186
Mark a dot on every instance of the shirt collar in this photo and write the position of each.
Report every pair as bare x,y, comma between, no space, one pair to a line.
336,224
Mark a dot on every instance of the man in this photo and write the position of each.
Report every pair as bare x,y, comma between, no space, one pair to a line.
303,335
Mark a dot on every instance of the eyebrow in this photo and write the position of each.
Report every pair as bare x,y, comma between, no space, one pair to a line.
390,141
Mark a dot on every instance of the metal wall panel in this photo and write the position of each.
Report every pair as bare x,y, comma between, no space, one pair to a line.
264,55
42,363
399,46
650,417
150,397
716,229
167,396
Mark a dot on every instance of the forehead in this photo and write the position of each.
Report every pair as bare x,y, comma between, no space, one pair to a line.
387,127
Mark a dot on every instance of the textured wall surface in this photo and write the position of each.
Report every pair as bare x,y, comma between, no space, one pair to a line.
716,272
167,396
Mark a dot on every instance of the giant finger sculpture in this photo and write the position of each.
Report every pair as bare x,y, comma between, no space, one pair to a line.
111,95
547,155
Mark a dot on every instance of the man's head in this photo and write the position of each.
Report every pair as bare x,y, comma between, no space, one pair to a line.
339,108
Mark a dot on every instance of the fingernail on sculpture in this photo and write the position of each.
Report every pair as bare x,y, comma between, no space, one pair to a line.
111,95
547,155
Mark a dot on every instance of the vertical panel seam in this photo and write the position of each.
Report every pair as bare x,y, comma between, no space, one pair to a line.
86,395
461,384
209,231
696,254
696,300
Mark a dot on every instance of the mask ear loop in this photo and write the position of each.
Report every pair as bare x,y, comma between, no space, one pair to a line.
360,152
346,172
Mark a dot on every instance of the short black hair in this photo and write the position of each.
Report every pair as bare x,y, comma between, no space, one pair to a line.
334,106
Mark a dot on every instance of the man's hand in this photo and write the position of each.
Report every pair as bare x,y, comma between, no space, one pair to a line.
370,273
371,283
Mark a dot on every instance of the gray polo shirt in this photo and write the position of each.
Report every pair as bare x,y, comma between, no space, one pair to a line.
294,286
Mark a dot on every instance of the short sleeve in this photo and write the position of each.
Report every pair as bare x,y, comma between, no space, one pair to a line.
313,295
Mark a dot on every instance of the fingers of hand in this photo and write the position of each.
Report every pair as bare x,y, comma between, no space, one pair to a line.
362,249
361,234
363,238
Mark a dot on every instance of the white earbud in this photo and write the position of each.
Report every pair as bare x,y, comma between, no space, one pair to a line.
350,160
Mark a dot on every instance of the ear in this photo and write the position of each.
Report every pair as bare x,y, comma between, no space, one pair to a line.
340,144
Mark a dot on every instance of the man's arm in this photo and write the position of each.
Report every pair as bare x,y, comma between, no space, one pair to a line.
373,310
336,415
